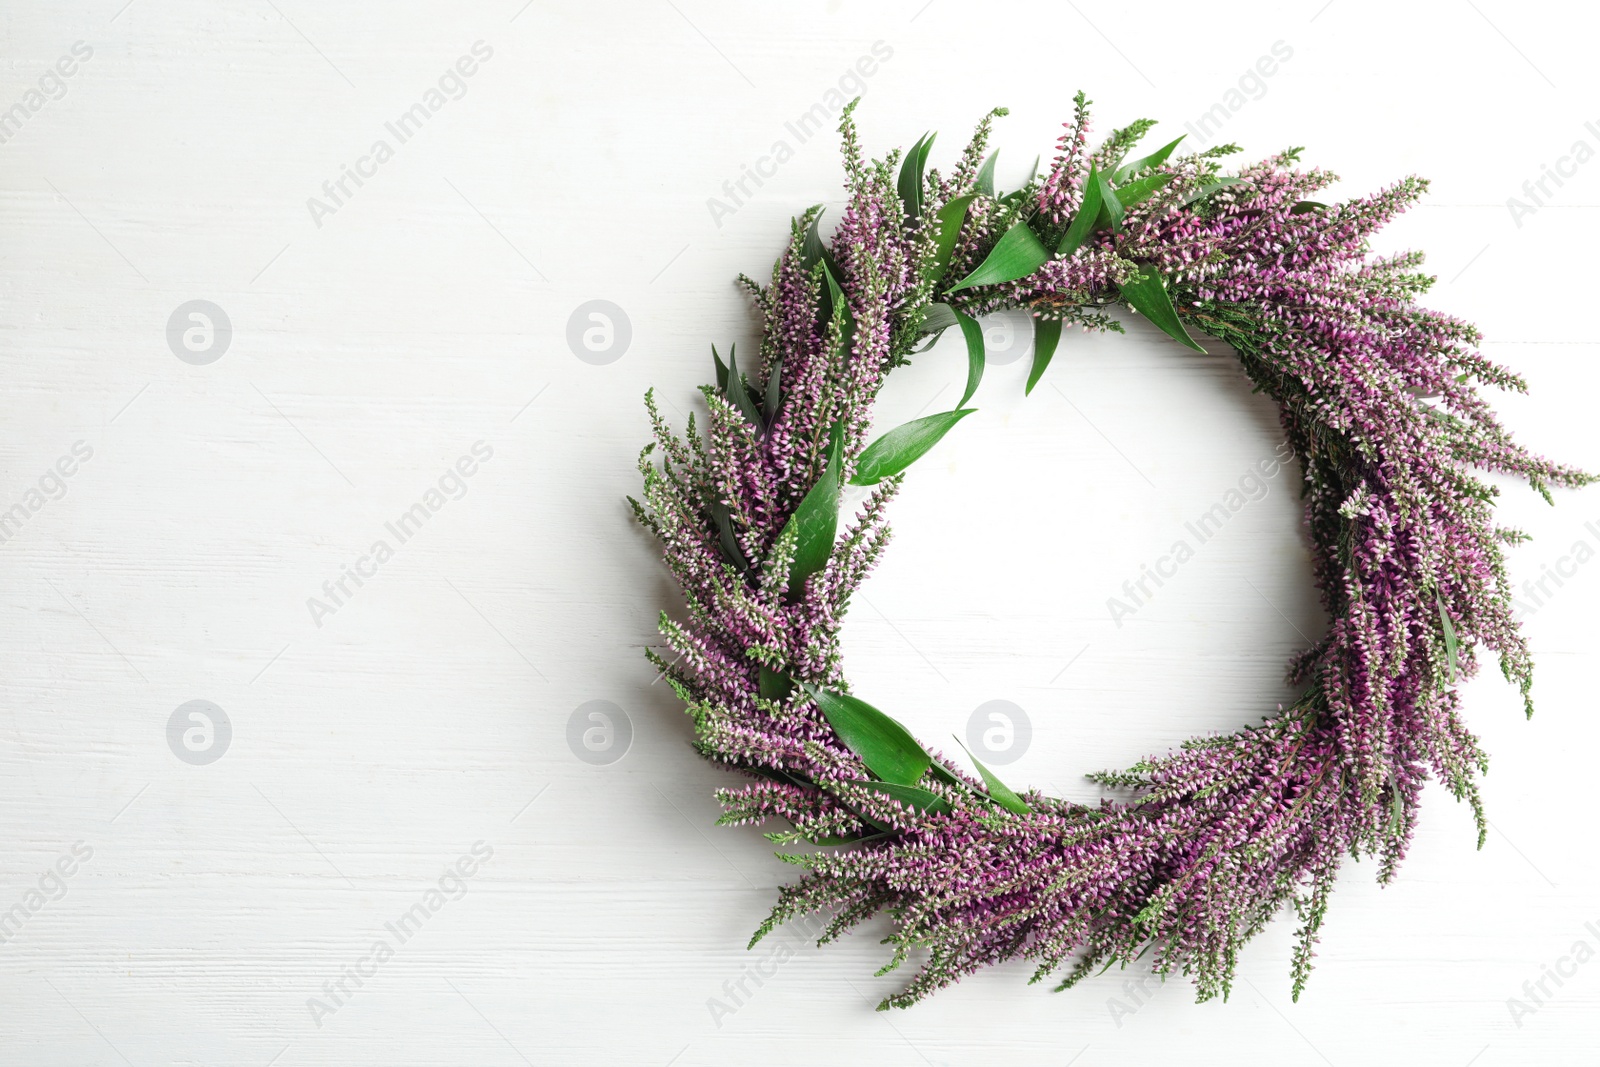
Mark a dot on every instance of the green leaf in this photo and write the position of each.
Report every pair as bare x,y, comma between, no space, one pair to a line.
950,217
974,335
998,790
811,251
1017,254
1206,190
1303,206
774,686
903,446
738,395
816,520
769,403
911,175
1147,294
839,839
1046,336
1154,159
1083,221
835,300
887,748
914,797
940,317
985,183
722,372
1110,217
1142,188
730,543
1451,648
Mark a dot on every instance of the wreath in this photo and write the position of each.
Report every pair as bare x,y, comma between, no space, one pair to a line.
1192,852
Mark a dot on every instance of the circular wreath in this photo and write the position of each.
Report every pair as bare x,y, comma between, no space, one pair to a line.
1197,849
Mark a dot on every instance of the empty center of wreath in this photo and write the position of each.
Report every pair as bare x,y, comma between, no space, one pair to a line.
1131,605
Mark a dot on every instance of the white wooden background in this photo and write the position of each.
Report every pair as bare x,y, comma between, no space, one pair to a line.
430,712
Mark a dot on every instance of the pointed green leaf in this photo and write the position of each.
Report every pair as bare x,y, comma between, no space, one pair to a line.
1396,805
998,790
1141,188
841,839
1110,217
811,251
985,182
951,216
1154,159
738,395
835,299
722,372
887,748
730,543
1206,190
911,172
816,520
1046,336
1147,294
769,402
916,798
774,686
1017,254
1303,206
974,336
1083,221
1451,648
940,317
903,446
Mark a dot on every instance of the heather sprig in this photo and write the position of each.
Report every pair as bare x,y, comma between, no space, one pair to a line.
1192,851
